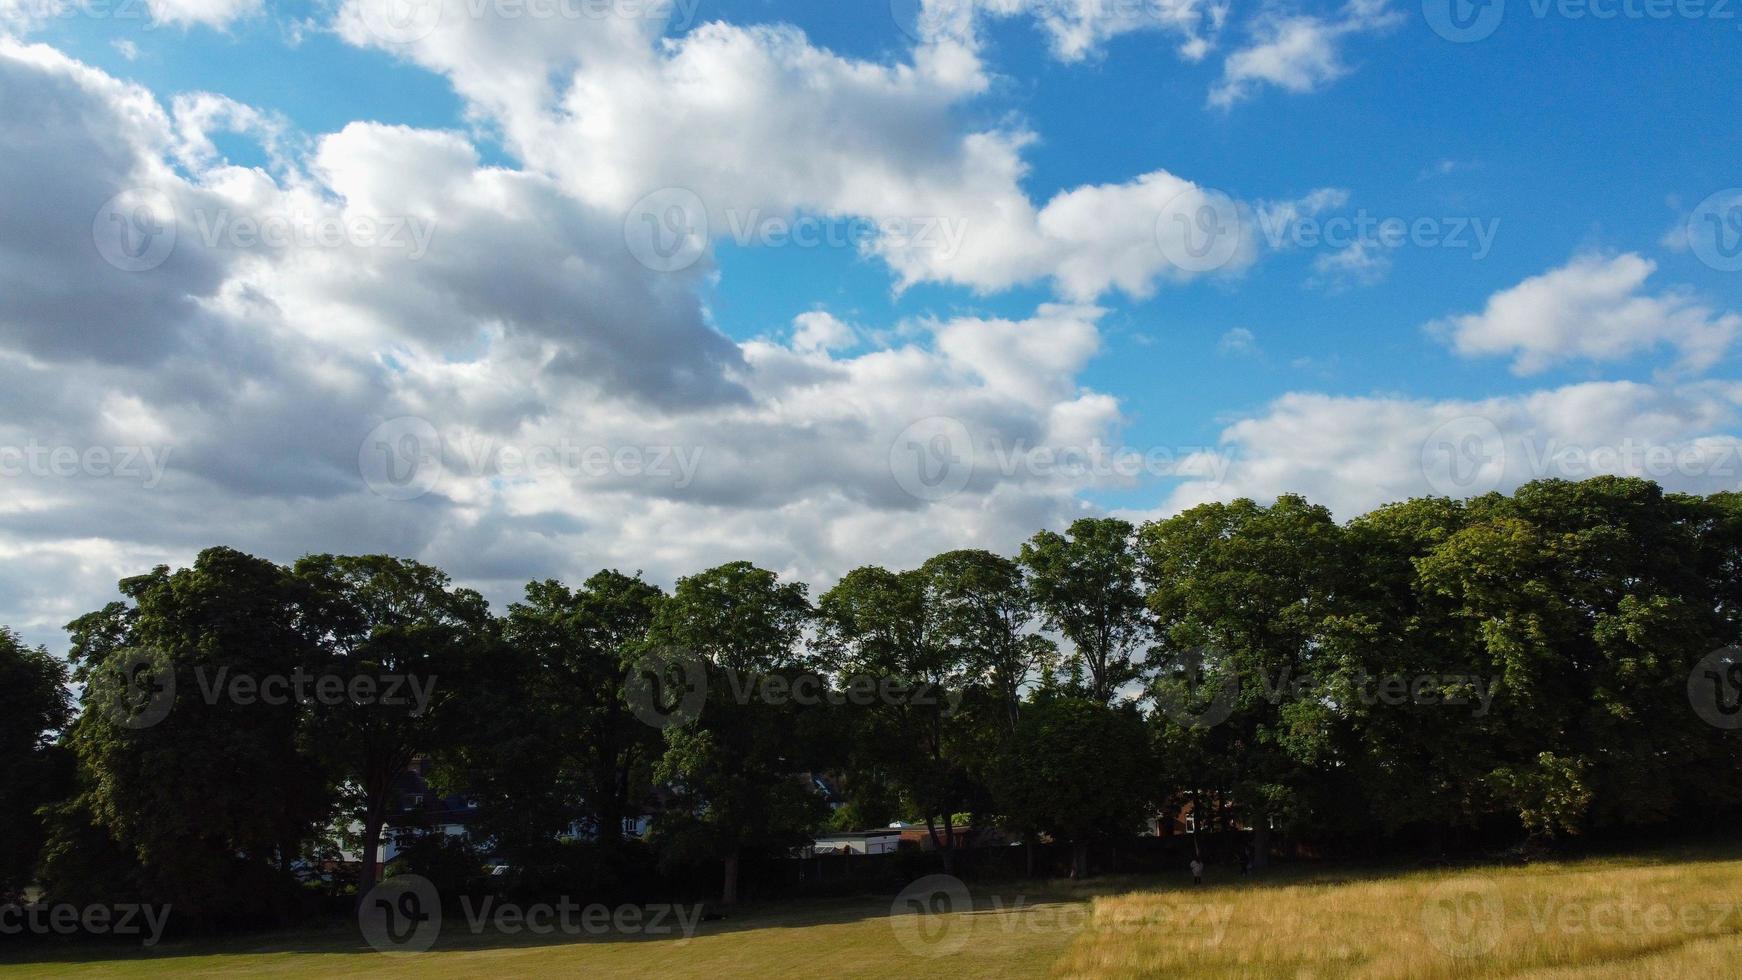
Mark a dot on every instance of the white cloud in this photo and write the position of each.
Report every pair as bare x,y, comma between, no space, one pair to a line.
750,120
1355,453
1238,341
1593,308
1297,52
820,331
1361,263
262,363
1076,28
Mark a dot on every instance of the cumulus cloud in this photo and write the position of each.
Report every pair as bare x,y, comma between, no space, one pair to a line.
380,285
1355,453
748,125
1593,308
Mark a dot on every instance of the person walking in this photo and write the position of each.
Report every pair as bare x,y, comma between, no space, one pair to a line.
1197,871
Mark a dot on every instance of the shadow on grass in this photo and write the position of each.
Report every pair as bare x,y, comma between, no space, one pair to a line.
996,897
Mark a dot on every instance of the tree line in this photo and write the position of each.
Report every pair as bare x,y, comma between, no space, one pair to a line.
1546,664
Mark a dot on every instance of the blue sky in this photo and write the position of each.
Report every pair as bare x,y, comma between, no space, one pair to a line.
1584,145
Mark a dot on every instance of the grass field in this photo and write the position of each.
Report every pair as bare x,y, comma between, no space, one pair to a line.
1665,915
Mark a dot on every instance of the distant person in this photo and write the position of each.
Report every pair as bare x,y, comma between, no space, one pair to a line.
1197,871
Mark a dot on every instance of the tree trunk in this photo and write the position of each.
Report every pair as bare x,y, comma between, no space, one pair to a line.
729,894
944,844
371,851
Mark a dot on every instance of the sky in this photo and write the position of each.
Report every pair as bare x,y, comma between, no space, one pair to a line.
530,288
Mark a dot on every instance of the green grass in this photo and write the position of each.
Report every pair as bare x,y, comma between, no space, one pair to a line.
1592,918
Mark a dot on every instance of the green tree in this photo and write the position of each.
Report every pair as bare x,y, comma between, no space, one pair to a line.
558,743
213,795
985,612
735,770
34,709
1241,594
888,629
1086,585
373,617
1080,771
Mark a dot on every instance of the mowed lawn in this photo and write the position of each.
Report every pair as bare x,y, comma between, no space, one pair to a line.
1666,915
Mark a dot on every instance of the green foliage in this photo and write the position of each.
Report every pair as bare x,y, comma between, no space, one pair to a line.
34,771
1085,583
1519,661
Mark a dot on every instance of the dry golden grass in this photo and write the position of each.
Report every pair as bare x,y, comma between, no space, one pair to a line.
1603,918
